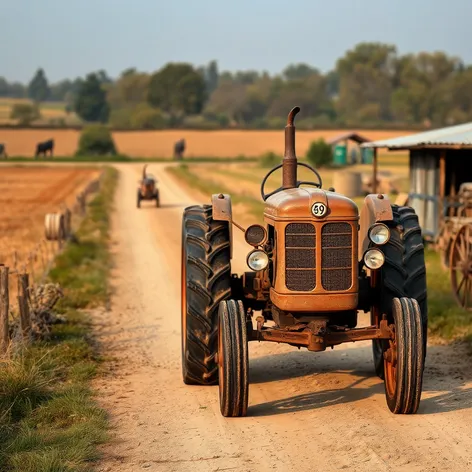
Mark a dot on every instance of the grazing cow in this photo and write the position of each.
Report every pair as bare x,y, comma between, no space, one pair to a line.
179,148
44,147
3,150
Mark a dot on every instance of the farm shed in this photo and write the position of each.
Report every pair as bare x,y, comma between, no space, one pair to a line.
340,147
440,161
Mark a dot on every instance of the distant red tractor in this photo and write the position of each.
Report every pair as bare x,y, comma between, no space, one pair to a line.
147,189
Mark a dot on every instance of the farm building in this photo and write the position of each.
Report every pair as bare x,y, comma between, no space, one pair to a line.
341,147
440,166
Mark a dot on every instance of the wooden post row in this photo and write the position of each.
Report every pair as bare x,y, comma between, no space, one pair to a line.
23,304
4,310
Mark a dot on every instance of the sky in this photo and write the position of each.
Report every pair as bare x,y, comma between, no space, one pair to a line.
71,38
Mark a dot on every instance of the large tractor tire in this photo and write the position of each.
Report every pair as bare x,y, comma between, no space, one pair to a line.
402,275
206,281
233,359
404,360
158,201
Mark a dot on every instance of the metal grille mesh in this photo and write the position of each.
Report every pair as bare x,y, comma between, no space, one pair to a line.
300,258
336,243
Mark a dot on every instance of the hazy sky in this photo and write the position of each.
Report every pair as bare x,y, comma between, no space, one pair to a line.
70,38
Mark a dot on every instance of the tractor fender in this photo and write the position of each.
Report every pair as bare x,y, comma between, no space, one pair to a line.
222,211
377,208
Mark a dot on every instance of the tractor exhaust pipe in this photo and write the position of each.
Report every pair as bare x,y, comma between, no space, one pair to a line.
289,162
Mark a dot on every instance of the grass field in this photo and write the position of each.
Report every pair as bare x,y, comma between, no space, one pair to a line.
26,195
224,143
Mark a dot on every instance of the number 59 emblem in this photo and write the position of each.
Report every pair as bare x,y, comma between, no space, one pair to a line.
319,209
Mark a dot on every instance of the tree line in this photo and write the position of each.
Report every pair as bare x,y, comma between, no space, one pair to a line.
371,85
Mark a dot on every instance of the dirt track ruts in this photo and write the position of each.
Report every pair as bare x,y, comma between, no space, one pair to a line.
307,411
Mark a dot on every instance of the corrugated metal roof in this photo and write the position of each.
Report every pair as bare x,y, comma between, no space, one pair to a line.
453,136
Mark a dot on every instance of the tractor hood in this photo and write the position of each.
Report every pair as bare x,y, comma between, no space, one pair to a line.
298,203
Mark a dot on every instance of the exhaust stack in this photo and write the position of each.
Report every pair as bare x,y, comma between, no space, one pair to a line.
289,162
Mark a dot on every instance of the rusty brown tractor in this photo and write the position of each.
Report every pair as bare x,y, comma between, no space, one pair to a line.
316,263
147,189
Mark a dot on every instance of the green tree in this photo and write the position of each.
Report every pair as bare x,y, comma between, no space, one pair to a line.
177,89
129,90
25,113
320,153
424,87
299,71
96,140
38,88
91,102
310,94
211,77
366,76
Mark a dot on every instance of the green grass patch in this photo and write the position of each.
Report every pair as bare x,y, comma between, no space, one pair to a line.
183,173
446,319
49,419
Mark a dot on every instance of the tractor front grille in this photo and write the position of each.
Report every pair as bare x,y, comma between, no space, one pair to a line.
336,243
336,256
300,256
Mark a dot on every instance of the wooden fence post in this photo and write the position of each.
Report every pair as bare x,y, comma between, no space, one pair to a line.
23,304
4,309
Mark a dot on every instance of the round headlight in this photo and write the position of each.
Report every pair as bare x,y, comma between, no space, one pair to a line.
374,259
257,260
379,233
255,235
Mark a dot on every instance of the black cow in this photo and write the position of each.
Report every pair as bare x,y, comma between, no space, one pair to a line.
179,148
3,150
44,147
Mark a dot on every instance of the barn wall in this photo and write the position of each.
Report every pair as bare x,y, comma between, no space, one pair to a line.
424,189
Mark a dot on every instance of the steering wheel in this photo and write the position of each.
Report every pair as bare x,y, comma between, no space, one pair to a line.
318,184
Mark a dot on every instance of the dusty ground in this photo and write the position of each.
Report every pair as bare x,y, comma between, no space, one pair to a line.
224,143
26,195
307,411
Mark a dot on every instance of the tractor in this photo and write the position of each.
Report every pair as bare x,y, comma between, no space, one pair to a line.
316,263
147,189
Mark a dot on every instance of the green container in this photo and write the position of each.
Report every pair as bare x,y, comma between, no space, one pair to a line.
367,155
340,154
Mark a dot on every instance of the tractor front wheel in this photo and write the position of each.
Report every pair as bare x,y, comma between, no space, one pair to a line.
404,358
206,281
233,363
402,275
138,200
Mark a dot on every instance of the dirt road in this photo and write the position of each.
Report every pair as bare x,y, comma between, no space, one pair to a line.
307,411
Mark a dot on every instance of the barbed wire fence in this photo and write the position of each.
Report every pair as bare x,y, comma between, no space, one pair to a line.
26,301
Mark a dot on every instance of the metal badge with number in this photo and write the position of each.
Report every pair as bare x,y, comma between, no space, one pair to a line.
319,209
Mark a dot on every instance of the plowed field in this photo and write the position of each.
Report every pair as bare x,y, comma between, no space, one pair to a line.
26,195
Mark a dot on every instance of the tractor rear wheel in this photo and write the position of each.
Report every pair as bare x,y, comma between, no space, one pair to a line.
233,363
158,202
402,275
206,281
404,358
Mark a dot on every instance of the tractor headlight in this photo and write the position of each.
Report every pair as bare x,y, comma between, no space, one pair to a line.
374,259
257,260
379,233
